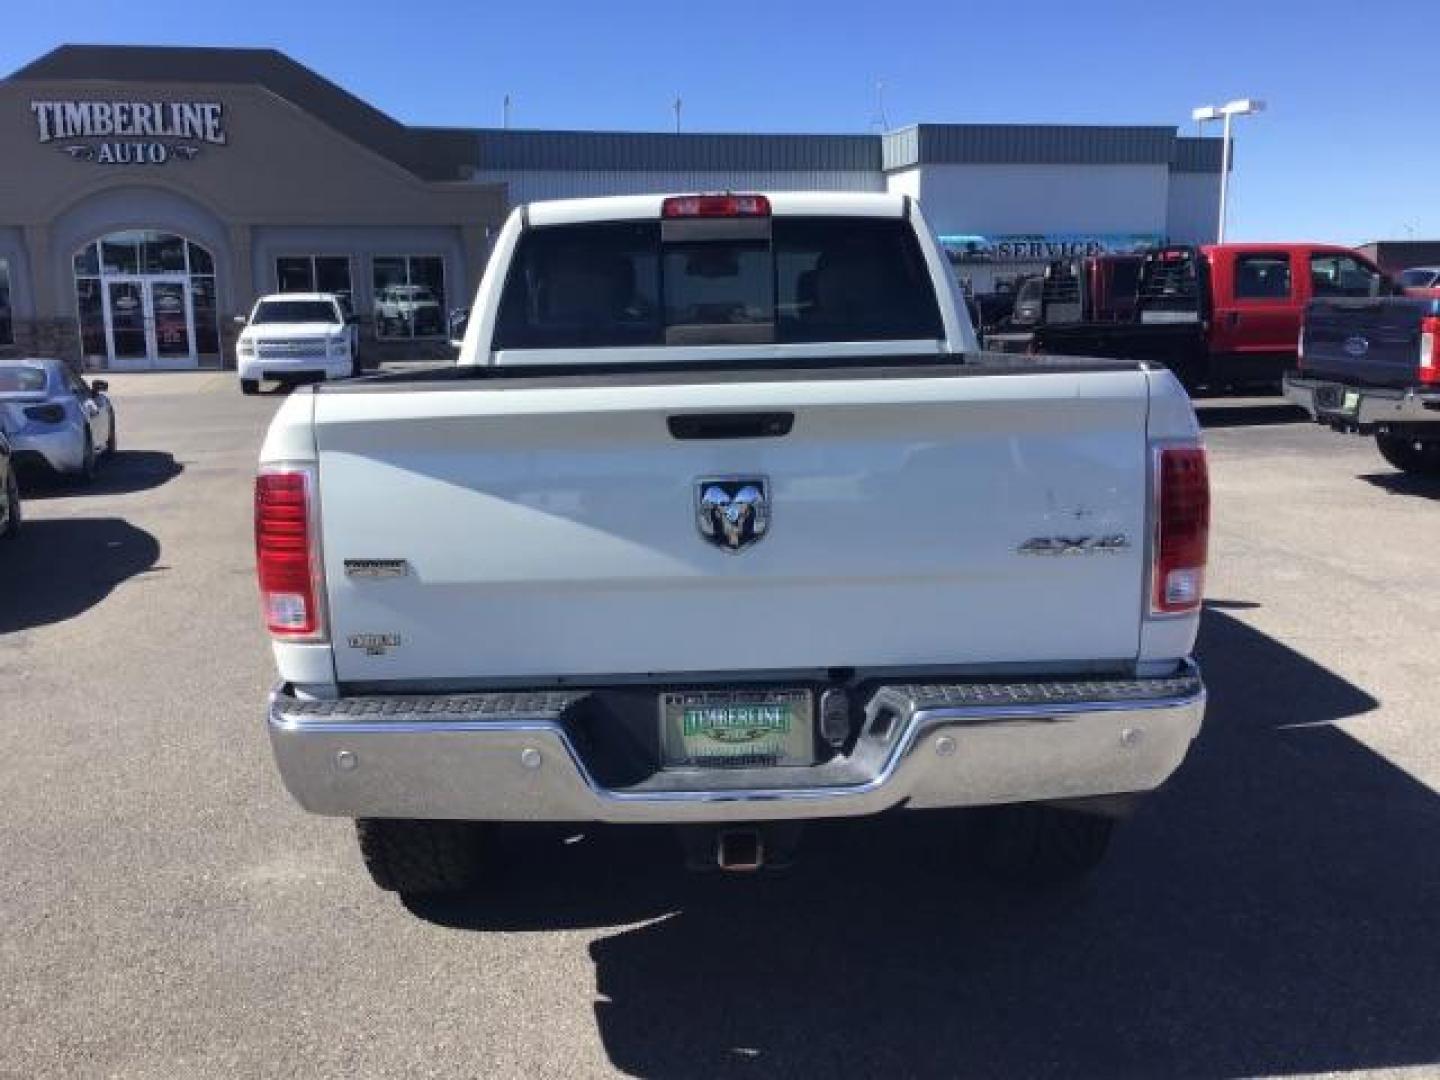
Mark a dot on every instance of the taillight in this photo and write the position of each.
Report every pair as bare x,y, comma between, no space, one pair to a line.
1429,342
1182,529
287,553
711,206
46,414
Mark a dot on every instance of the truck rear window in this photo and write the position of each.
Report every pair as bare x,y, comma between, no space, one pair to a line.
791,280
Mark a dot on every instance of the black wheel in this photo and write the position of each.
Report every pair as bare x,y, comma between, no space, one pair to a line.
11,523
86,473
1418,456
111,439
249,386
1037,845
422,858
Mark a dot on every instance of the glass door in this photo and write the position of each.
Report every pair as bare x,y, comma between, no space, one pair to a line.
150,323
129,339
172,324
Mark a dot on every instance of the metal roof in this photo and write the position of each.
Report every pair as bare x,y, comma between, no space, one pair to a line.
1028,144
1199,155
663,152
452,154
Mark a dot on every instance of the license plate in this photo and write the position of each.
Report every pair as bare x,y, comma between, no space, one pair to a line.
1351,402
737,729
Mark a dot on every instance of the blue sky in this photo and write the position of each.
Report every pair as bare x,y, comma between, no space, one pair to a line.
1342,154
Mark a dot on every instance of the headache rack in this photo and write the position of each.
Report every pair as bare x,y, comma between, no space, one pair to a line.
1173,280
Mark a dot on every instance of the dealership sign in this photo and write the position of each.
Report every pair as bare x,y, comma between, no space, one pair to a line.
130,132
1044,247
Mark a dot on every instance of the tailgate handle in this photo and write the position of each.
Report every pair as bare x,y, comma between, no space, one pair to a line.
766,425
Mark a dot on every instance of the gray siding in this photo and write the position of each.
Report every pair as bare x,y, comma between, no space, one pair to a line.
526,186
1199,155
594,151
1028,144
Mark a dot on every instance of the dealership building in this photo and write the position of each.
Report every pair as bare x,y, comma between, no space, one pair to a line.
148,195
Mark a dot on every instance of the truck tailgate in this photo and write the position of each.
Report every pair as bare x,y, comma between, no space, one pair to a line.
1369,342
551,530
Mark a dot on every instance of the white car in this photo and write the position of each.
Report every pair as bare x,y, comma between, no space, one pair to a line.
296,336
722,522
407,310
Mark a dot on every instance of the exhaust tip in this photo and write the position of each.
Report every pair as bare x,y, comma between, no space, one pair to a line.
740,850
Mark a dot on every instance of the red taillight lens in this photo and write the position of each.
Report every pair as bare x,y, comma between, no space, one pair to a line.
710,206
1430,350
285,553
1182,529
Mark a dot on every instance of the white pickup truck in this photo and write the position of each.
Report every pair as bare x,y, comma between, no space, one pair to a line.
722,521
291,336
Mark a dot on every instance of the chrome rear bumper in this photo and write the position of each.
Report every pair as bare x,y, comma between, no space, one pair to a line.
510,757
1366,407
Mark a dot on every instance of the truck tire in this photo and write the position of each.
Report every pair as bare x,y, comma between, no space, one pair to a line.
422,858
1035,845
1421,457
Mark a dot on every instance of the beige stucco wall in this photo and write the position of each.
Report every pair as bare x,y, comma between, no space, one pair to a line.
279,167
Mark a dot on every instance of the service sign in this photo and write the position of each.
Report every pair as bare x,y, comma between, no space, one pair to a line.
130,132
1044,247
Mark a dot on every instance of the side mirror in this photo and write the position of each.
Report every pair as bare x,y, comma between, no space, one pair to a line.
99,386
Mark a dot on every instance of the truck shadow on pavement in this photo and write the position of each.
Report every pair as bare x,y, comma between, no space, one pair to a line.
1217,413
127,472
1275,910
57,568
1398,483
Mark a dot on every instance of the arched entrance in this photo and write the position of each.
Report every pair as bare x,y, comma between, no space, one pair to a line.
146,299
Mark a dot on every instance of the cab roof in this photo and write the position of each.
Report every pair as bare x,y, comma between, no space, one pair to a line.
325,296
782,204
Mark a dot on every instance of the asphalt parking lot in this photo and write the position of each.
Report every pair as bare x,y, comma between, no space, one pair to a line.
165,910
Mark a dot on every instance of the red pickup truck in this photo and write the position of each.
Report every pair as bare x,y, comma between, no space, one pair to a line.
1223,314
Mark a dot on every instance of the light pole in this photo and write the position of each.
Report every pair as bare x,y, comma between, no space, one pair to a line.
1241,107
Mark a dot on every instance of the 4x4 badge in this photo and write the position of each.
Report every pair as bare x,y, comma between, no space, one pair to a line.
1075,545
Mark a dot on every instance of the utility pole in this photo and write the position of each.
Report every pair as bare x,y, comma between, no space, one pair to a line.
880,105
505,114
677,106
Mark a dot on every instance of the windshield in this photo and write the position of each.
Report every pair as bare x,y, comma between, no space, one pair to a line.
782,280
294,311
1417,279
21,379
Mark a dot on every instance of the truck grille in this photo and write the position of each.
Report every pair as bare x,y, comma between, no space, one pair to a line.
291,350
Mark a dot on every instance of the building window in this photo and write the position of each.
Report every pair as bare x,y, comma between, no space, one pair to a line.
7,320
1262,277
409,296
316,273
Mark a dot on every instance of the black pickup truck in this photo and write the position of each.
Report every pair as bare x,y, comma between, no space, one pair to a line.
1372,367
1167,325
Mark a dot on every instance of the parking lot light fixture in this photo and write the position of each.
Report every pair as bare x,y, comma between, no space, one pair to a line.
1226,112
